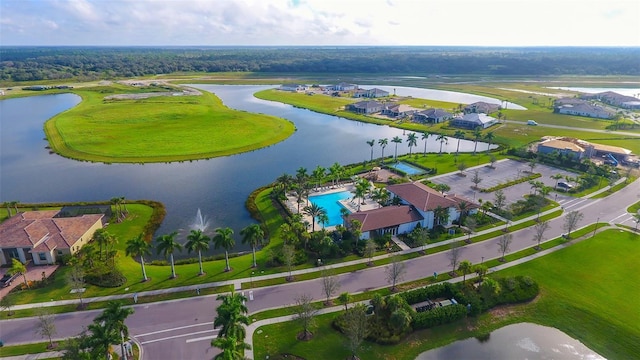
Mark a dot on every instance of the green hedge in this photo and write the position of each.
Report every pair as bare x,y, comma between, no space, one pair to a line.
511,183
439,316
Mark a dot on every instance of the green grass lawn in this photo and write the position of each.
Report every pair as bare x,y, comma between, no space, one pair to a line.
158,129
585,291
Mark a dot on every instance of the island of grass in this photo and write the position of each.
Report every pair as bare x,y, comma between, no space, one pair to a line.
171,128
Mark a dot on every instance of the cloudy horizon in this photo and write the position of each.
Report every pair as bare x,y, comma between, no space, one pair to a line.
490,23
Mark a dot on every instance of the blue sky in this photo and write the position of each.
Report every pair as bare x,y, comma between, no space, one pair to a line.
321,22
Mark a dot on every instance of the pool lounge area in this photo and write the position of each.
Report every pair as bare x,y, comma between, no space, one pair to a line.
407,168
332,199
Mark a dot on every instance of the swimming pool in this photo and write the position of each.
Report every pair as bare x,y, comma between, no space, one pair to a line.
330,203
407,169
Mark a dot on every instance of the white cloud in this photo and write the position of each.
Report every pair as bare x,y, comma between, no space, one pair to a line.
335,22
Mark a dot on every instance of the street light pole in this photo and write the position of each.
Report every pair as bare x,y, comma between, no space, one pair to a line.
594,230
252,279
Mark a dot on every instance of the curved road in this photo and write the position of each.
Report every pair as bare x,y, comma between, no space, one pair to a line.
182,329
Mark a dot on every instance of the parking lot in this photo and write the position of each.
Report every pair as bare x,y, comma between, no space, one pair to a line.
505,171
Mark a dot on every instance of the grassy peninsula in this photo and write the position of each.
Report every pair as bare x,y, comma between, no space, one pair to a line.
159,128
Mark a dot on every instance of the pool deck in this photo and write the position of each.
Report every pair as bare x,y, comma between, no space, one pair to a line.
351,204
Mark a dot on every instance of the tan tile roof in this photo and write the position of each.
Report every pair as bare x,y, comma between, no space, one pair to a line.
421,196
562,145
385,217
40,230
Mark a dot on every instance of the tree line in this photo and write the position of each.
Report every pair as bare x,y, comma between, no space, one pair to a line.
55,63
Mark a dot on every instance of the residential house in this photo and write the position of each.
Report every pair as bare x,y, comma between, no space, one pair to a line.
376,93
398,110
584,109
41,237
431,116
615,99
417,205
473,120
481,107
293,87
343,86
365,107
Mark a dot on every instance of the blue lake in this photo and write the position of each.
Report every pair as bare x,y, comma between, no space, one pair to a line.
522,341
29,173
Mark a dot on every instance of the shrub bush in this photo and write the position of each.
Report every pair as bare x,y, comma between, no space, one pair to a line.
439,316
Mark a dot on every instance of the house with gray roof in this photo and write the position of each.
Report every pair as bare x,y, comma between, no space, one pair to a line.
431,116
365,107
473,120
481,107
293,87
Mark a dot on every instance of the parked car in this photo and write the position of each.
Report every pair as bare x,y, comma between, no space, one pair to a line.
564,185
7,279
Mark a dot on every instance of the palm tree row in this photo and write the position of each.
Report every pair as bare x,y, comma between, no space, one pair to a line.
198,242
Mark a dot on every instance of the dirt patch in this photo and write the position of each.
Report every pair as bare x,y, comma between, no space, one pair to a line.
179,90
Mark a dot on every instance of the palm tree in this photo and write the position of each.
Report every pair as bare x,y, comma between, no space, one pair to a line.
318,174
224,239
489,137
285,181
412,140
556,177
440,215
231,315
254,236
231,348
101,339
477,135
466,267
323,219
463,208
459,134
19,268
113,317
197,241
167,245
138,247
425,137
371,143
335,171
314,210
397,140
383,144
442,140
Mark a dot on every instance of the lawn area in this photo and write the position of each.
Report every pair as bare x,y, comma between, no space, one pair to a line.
158,129
591,305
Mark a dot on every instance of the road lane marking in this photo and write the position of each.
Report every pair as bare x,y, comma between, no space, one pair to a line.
618,217
176,336
201,338
172,329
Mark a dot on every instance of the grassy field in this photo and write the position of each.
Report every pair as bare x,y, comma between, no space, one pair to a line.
158,129
604,317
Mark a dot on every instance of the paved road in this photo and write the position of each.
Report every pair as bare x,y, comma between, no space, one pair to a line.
623,133
182,328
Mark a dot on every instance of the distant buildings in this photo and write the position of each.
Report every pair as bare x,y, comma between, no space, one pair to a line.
481,107
580,149
614,99
579,107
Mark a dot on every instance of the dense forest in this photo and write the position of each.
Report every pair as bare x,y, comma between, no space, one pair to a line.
49,63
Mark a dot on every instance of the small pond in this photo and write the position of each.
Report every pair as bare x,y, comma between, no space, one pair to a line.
523,341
